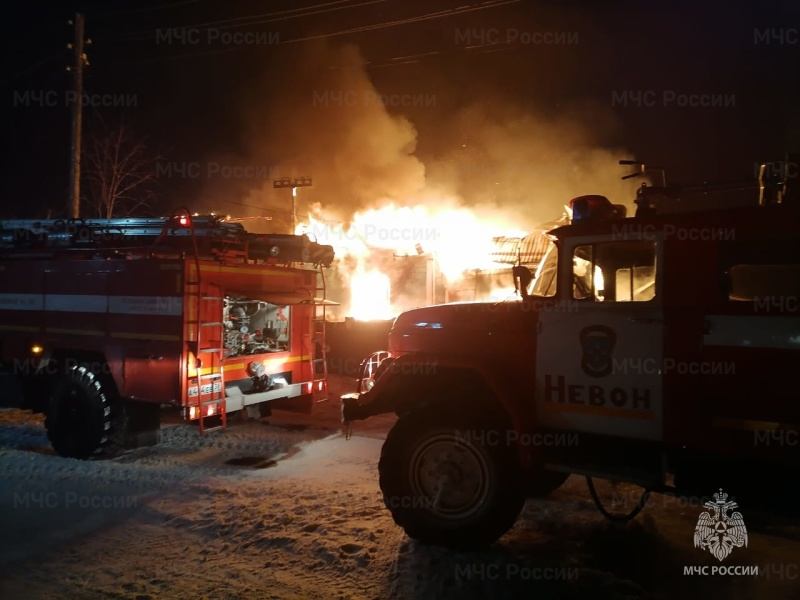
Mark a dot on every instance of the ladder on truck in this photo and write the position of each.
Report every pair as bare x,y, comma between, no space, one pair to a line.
210,399
319,360
206,305
181,233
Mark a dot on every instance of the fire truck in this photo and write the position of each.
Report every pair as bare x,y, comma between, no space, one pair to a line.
106,321
657,350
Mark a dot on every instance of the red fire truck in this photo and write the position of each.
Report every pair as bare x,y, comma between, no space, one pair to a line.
657,350
105,321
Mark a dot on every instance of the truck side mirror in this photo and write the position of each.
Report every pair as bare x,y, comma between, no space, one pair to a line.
524,276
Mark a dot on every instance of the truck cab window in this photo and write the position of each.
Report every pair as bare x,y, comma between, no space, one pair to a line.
753,282
587,277
614,272
761,269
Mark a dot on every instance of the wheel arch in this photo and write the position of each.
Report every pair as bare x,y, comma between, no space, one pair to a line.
423,382
38,382
61,360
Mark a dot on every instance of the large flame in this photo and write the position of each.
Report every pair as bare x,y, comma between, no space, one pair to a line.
370,296
457,240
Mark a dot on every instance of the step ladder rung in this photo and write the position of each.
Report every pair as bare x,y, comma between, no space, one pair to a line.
210,350
210,402
215,428
210,297
210,323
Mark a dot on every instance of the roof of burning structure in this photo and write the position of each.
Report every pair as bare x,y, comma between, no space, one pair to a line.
528,250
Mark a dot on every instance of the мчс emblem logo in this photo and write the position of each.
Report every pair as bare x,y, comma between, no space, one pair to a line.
597,343
720,533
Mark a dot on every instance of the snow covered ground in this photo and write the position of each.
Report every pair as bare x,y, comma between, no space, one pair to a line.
290,509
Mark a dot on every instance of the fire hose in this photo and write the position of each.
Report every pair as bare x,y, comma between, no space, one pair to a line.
617,518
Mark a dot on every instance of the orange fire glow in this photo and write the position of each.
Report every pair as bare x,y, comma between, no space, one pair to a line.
458,240
370,296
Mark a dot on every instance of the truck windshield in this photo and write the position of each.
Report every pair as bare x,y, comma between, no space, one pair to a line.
545,283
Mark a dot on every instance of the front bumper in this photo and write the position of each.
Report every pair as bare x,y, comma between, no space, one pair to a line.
357,407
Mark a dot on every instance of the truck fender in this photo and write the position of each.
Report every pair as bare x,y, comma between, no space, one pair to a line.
416,380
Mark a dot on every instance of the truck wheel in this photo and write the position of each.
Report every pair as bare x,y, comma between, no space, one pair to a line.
83,415
449,480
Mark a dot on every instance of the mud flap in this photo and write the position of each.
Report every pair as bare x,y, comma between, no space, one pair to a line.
143,425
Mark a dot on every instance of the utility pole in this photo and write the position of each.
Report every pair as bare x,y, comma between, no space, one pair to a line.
78,62
294,183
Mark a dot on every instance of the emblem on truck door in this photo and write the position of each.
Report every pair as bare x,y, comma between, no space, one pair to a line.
597,343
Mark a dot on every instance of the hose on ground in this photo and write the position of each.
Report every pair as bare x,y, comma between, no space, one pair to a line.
617,518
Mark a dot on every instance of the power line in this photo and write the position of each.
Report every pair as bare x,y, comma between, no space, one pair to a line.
427,17
361,29
270,17
416,58
392,62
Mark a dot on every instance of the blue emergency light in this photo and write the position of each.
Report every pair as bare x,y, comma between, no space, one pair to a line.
595,208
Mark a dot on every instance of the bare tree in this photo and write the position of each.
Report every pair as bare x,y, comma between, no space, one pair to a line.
119,171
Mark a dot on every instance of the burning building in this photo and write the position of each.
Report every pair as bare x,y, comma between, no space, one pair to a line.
387,262
497,284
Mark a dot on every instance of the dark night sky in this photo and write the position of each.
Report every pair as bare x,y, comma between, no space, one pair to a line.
196,101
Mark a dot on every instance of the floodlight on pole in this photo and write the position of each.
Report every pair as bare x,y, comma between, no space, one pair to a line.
294,183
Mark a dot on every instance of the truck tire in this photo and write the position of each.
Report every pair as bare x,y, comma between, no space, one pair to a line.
83,415
462,460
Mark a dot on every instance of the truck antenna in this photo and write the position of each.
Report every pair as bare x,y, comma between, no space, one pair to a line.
644,170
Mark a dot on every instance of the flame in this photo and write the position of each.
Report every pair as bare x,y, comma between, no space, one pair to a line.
369,296
457,239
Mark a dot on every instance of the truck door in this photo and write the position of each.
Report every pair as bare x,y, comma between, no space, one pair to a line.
599,354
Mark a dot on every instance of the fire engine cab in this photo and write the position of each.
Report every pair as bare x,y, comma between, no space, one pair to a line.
657,350
106,320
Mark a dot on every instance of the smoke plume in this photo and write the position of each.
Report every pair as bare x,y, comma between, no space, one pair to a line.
496,162
327,121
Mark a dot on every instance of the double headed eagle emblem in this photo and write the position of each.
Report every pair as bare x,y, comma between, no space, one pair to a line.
720,533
